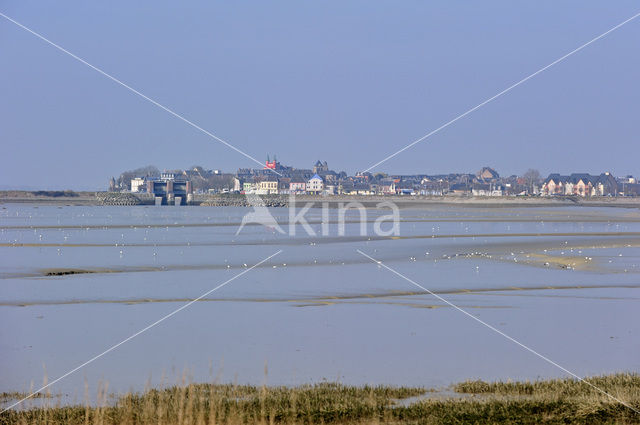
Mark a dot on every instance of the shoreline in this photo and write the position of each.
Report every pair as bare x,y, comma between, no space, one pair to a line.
550,401
96,199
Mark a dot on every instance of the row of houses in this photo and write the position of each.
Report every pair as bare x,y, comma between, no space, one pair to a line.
276,178
587,185
486,182
359,185
286,185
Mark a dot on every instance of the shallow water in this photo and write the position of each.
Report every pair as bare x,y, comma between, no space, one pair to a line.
564,281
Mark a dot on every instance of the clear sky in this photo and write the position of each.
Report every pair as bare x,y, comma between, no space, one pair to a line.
348,82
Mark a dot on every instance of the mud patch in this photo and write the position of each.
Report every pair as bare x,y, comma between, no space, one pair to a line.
66,272
387,297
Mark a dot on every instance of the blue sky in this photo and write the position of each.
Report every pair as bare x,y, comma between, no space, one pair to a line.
346,82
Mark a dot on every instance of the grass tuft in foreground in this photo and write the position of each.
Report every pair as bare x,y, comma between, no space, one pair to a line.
549,402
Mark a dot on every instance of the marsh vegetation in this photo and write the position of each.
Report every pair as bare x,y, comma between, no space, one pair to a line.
558,401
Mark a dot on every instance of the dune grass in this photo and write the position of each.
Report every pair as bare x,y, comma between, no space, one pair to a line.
549,402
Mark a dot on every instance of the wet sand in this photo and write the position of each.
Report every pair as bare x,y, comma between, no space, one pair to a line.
327,240
75,279
87,198
388,298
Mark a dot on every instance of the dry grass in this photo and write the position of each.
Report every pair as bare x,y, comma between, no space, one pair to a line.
16,395
622,384
550,402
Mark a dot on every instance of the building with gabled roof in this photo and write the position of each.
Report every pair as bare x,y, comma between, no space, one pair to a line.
487,174
320,167
579,184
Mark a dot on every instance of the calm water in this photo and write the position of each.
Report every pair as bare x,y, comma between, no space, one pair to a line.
564,281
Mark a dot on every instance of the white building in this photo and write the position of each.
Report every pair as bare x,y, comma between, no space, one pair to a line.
268,187
167,176
137,183
315,185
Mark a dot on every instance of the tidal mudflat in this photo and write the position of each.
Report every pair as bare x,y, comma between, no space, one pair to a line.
74,280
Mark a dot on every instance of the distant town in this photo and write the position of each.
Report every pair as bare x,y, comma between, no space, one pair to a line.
277,179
